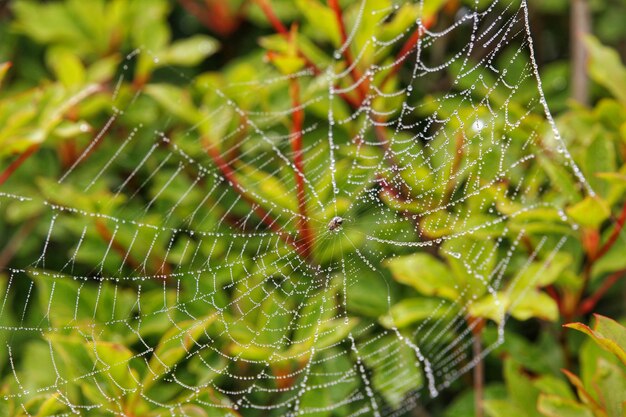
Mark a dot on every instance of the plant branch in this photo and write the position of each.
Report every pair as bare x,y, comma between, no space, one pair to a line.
553,293
265,216
120,249
268,11
6,174
583,288
279,27
590,303
214,15
266,7
619,225
406,50
16,241
306,234
580,306
362,87
580,26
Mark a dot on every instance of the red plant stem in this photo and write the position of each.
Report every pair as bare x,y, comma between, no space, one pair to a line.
406,49
614,235
590,303
281,29
580,306
215,15
362,87
579,296
122,251
264,215
266,7
553,293
6,174
306,234
12,246
192,7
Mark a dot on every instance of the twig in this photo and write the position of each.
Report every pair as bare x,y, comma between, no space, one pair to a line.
590,303
619,225
16,241
580,306
215,15
108,237
6,174
553,293
580,26
267,9
306,234
406,49
264,215
583,288
362,87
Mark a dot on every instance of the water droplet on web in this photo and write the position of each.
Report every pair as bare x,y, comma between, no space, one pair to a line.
478,125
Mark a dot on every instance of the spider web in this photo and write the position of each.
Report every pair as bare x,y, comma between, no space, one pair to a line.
209,215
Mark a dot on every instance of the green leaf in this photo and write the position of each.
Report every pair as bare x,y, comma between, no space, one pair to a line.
582,392
550,384
175,101
393,383
268,190
522,392
113,359
287,64
529,304
554,406
411,310
188,52
541,273
463,405
67,67
52,406
607,333
44,23
561,179
591,212
425,273
535,304
503,408
369,295
610,383
606,68
600,157
175,344
332,332
149,25
322,19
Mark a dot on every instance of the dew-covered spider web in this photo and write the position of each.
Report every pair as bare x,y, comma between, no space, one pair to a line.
220,269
